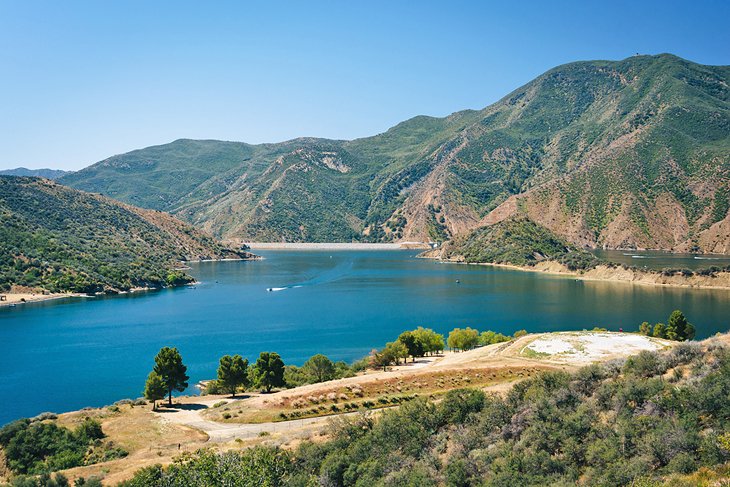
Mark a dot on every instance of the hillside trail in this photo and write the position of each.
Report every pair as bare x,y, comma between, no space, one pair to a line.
189,414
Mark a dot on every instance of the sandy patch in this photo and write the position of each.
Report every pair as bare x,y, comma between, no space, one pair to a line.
590,347
13,299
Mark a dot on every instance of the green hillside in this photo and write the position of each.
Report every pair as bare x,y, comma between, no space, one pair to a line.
632,153
517,242
59,239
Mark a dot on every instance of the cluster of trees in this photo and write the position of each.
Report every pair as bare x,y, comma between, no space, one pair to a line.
319,368
39,446
677,328
236,374
424,341
411,343
468,338
639,421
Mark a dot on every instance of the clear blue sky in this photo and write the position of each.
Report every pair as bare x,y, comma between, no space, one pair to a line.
80,81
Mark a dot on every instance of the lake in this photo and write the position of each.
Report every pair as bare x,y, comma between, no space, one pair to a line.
658,260
67,354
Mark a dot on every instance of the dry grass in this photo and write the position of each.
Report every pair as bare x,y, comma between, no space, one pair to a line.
366,393
139,431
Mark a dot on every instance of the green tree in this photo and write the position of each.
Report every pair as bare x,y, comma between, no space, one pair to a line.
154,389
412,343
294,376
431,341
391,353
519,333
397,350
233,373
490,338
169,366
465,339
268,372
645,329
678,328
660,330
319,368
380,358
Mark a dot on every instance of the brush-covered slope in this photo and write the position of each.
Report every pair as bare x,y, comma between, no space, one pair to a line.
516,241
59,239
646,164
633,153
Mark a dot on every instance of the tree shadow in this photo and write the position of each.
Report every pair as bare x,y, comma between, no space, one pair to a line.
238,397
165,408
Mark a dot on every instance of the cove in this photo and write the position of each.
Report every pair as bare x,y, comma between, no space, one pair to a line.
67,354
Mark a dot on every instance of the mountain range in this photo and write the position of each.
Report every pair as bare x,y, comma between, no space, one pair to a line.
40,173
614,154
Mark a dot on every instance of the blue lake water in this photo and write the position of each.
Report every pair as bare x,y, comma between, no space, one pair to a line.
658,260
67,354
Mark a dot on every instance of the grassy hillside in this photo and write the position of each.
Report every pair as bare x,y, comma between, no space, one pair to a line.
631,153
59,239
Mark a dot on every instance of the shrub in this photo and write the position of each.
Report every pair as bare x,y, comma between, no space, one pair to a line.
645,364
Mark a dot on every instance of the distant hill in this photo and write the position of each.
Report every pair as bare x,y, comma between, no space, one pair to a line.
60,239
41,173
615,154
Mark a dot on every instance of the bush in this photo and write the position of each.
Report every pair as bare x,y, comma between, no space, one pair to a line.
89,430
645,364
43,447
458,404
256,466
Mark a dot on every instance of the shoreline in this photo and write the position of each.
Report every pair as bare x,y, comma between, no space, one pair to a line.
337,246
14,299
231,259
603,273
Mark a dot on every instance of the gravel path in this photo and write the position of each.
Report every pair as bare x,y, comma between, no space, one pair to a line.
188,414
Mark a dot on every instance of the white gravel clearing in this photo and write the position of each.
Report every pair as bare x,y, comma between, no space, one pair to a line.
588,347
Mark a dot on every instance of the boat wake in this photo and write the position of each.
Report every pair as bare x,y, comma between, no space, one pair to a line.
706,258
638,256
277,289
330,275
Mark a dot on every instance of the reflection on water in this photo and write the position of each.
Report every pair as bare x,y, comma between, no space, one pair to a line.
658,260
349,302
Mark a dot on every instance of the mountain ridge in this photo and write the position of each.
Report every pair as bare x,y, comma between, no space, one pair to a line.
41,173
615,154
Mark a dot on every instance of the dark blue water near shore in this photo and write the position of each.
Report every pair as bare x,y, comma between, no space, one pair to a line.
64,355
